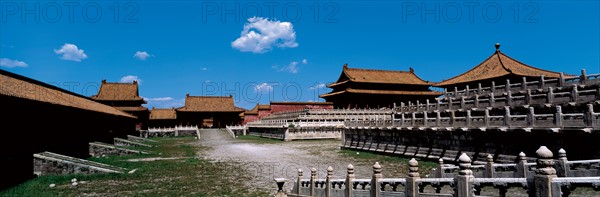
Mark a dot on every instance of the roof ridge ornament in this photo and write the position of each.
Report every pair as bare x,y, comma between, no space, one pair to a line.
497,47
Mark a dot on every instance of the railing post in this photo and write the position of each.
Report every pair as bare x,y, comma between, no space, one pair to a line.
349,180
542,83
402,119
440,171
313,180
450,103
446,92
507,116
562,168
280,182
544,173
462,102
558,122
489,167
437,101
492,100
476,104
328,181
412,187
509,98
561,80
493,88
531,117
524,84
521,166
468,118
418,106
589,115
528,97
402,106
425,118
452,118
427,105
467,91
299,181
463,183
375,187
550,96
574,93
437,118
455,92
413,119
479,89
583,77
486,117
507,87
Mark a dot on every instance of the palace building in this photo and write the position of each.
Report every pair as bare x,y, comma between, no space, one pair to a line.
40,117
497,68
163,117
369,88
209,111
125,97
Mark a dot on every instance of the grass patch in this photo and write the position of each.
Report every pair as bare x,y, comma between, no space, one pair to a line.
258,140
181,177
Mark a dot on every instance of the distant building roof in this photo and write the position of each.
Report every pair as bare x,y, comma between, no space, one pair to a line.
379,76
118,92
163,114
18,86
253,111
209,104
386,92
265,107
498,65
300,103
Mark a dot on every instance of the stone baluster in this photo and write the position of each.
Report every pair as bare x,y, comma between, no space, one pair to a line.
402,119
531,117
413,119
550,96
492,100
528,97
299,181
402,107
349,180
462,102
489,167
486,117
589,115
427,105
409,107
313,181
479,88
450,103
507,116
493,88
375,186
455,92
468,118
574,93
437,101
440,171
328,180
467,91
544,173
418,106
562,168
463,183
425,119
561,80
446,92
509,98
476,104
583,78
452,118
507,87
522,169
412,186
437,118
558,117
542,83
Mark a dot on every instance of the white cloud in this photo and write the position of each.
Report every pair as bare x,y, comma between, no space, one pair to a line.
71,52
204,69
304,61
318,86
291,68
12,63
260,35
130,78
142,55
263,87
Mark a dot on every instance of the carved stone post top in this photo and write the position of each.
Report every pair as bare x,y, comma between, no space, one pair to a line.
329,171
544,153
376,168
300,172
562,154
464,158
522,156
313,172
464,165
441,161
350,169
413,168
545,162
490,158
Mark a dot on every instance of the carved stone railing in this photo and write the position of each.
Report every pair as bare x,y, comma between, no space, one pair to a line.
236,130
544,182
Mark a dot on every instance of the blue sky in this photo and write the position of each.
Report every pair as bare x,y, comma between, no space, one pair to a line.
289,50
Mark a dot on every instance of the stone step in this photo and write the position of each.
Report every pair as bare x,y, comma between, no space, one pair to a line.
48,163
99,149
139,139
124,142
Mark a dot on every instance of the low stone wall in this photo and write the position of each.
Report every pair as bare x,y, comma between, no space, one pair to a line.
47,163
124,142
310,133
101,149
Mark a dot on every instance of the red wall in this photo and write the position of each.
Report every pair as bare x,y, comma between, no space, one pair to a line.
250,118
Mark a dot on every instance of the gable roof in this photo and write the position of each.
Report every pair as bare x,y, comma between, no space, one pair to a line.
379,76
300,103
209,104
118,92
163,114
18,86
498,65
253,111
385,92
264,107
